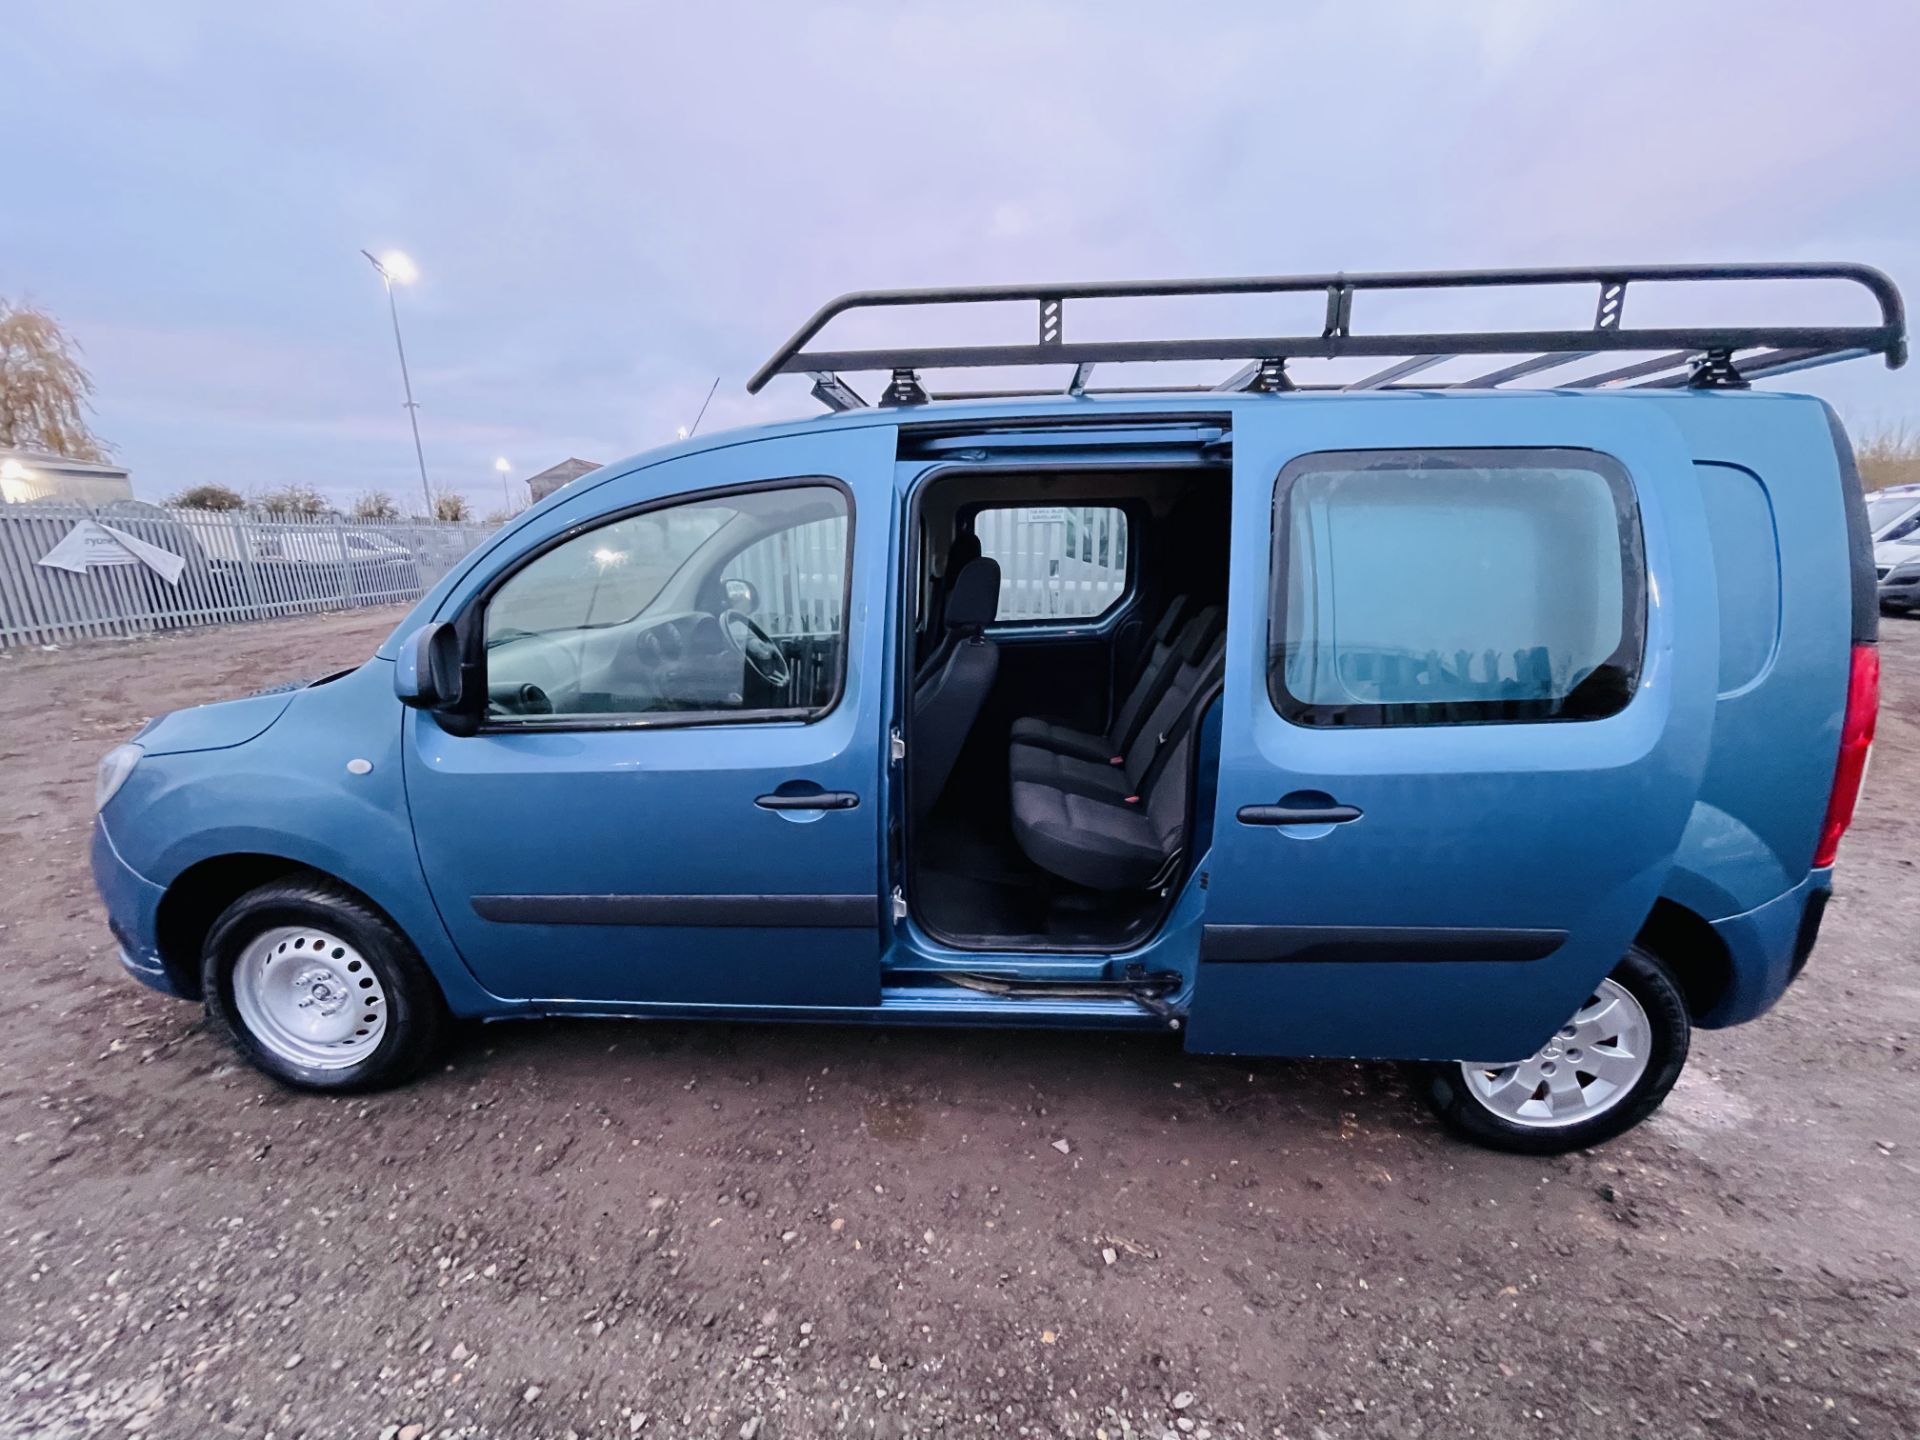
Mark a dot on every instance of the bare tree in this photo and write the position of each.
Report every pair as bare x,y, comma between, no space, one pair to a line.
1888,455
45,392
451,506
293,499
375,505
209,497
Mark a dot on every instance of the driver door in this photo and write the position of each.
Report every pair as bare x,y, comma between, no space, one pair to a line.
675,795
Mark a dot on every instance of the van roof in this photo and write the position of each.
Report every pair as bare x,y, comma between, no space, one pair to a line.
1650,357
1110,412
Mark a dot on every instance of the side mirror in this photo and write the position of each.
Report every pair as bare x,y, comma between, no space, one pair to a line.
741,596
426,673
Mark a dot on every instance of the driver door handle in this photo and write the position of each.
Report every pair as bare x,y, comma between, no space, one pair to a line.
824,800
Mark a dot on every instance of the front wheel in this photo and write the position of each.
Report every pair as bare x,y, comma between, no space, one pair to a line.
319,989
1600,1074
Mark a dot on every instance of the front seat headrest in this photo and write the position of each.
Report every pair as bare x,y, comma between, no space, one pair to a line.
975,598
962,553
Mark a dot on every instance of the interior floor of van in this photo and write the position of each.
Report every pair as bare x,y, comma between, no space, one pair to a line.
1067,637
972,884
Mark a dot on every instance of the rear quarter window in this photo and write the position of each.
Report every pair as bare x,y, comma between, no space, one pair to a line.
1443,587
1746,567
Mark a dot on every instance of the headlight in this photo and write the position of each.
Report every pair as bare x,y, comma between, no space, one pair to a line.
115,766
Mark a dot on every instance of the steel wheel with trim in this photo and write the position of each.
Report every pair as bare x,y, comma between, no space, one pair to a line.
319,989
1602,1072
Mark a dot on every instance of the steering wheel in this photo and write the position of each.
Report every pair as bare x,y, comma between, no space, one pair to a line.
756,647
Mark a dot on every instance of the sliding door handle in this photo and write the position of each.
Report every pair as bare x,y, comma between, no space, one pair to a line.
819,800
1298,814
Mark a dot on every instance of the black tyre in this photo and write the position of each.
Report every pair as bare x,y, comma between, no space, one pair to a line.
1602,1073
317,988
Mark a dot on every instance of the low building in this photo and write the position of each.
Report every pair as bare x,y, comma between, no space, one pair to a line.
551,479
27,475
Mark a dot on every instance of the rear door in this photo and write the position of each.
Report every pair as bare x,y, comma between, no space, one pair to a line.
1469,695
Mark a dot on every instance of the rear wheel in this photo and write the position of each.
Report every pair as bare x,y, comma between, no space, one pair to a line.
318,989
1601,1073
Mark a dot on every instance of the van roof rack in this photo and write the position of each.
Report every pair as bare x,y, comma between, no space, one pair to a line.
1709,356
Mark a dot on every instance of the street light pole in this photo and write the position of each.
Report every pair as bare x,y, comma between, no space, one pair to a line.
506,486
396,267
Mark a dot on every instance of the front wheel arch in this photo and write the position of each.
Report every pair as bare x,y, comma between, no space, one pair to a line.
201,893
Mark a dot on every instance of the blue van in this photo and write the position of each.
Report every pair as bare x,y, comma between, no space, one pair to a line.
1403,713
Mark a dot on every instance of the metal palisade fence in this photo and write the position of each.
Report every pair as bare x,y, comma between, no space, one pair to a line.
1057,562
68,570
799,576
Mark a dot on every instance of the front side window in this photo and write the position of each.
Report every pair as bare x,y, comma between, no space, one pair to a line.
722,607
1057,562
1446,587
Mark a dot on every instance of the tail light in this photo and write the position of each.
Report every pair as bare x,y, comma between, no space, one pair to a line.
1856,739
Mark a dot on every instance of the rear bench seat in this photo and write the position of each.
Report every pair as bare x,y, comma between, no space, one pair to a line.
1119,827
1158,669
1116,774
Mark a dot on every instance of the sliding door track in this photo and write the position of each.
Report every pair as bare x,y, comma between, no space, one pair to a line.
1148,990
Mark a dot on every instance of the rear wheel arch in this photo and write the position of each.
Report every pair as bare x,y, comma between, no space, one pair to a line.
1637,1020
1692,951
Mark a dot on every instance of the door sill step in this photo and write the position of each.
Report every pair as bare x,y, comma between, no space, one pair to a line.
1148,991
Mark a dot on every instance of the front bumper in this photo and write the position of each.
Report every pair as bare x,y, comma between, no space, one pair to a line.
1769,946
132,903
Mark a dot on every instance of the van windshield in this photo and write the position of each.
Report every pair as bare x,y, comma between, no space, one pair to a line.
1883,510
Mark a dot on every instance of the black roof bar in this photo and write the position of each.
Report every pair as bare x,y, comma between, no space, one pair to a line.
1716,347
1634,371
1241,378
834,393
1529,366
1775,362
1380,379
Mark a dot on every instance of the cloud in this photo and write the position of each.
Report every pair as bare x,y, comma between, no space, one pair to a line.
612,204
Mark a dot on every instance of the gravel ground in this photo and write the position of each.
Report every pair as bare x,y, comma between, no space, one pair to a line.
605,1229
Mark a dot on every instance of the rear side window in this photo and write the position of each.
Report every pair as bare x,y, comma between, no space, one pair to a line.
1450,587
1057,562
1746,568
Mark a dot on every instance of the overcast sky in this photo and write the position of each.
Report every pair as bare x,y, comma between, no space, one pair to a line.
610,204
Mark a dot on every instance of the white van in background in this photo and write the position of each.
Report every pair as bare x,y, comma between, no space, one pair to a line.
1893,519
